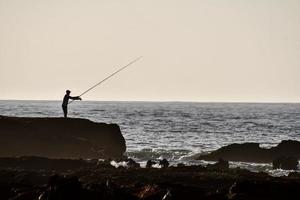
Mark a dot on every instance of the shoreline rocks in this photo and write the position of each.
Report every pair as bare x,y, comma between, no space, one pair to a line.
60,138
251,152
93,180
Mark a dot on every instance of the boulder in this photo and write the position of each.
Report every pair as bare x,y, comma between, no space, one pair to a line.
150,163
252,152
132,164
246,152
164,163
59,138
289,148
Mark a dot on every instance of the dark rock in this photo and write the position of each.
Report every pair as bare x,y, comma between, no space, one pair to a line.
36,163
176,183
294,175
132,164
246,152
288,163
220,165
59,138
288,148
150,163
164,163
251,152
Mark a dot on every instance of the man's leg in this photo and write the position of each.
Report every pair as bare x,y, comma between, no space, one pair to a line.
65,109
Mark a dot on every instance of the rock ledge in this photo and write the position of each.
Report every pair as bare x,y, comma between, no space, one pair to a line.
59,138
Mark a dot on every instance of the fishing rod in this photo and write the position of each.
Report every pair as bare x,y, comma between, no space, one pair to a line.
108,77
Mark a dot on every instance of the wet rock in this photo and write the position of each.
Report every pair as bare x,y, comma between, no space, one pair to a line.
59,138
164,163
288,163
150,163
132,164
176,183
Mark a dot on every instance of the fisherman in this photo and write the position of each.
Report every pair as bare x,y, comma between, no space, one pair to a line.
67,96
66,102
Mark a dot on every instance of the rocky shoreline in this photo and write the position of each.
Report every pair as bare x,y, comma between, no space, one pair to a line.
43,178
40,158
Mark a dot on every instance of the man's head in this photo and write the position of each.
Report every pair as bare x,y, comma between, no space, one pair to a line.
68,91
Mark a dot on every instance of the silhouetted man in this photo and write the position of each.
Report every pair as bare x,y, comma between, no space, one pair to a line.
66,102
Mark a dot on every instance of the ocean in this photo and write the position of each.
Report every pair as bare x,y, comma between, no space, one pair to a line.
179,131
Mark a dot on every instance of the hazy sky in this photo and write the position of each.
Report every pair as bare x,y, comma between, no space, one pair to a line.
193,50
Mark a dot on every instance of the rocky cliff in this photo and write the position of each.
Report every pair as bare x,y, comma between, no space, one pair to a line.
59,138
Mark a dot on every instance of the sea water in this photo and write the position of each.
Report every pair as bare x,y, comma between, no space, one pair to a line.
179,131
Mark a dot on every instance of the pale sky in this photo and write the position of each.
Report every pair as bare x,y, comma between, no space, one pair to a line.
193,50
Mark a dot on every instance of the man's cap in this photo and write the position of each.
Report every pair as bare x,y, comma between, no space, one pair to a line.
68,91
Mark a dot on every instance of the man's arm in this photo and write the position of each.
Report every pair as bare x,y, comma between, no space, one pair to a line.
75,98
